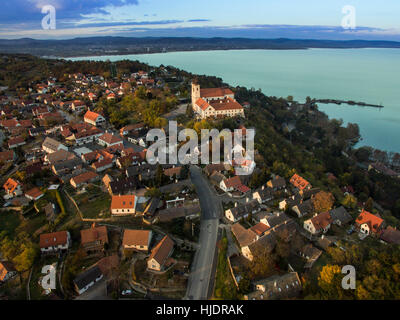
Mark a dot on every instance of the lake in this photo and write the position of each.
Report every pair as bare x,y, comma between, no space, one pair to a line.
364,75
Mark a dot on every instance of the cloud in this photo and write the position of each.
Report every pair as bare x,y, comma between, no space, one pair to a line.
198,20
15,11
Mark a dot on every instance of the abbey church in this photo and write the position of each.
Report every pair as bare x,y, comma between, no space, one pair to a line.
215,102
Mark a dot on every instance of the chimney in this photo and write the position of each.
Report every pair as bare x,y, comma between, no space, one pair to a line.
247,200
235,204
262,188
323,236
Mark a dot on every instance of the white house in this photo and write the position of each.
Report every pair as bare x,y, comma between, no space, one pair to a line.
54,242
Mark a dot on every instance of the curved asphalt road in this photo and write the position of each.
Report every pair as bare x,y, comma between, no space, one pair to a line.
203,267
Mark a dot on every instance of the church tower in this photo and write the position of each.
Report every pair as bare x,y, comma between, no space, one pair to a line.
195,92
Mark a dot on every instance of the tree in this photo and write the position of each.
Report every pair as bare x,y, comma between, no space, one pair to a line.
349,201
323,201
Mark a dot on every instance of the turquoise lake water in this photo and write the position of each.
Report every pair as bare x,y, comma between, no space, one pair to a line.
366,75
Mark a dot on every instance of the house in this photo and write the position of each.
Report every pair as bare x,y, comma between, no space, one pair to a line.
230,184
215,102
65,167
78,106
85,135
83,179
59,156
244,236
103,165
122,186
137,240
108,140
94,239
16,142
287,286
242,211
263,195
275,220
34,194
158,259
320,223
367,223
173,172
50,145
260,229
93,118
87,279
304,208
340,216
300,183
54,242
131,128
13,188
265,243
34,132
391,235
310,253
7,271
123,205
178,212
277,183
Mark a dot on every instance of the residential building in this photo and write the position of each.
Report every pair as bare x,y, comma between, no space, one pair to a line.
50,145
158,259
367,223
94,118
54,242
7,271
300,183
87,279
84,178
277,287
123,205
34,194
137,240
13,188
340,216
108,140
320,223
94,239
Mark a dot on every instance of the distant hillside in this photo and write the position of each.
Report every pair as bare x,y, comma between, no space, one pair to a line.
125,45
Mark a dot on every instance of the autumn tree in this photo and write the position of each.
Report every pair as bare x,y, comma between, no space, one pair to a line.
323,201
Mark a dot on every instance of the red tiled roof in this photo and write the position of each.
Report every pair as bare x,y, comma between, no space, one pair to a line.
225,104
371,220
123,202
90,115
233,182
136,237
299,182
215,92
109,138
94,234
53,239
322,220
34,193
84,177
11,185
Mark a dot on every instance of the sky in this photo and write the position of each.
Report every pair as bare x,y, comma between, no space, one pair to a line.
305,19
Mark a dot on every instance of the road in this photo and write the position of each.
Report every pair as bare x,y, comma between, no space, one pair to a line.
202,272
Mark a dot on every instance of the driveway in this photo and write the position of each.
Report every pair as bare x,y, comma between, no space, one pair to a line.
201,275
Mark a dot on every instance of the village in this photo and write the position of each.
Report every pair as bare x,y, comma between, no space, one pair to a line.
79,195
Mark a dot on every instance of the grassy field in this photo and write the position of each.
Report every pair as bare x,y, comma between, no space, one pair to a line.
225,287
94,203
